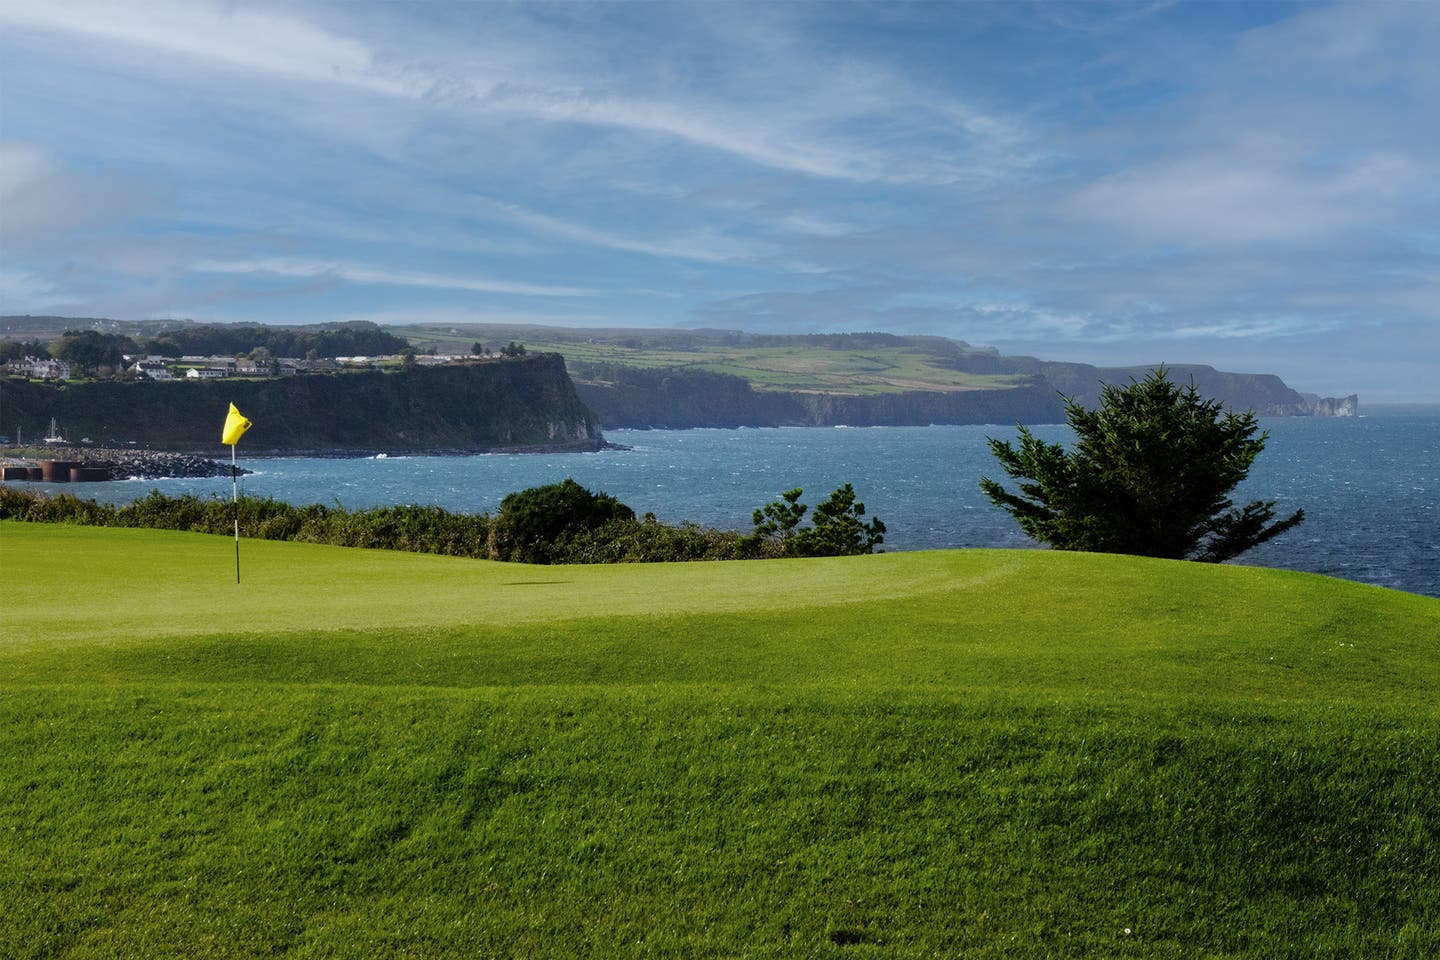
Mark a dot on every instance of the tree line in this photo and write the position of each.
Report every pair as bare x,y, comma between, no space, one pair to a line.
90,351
557,523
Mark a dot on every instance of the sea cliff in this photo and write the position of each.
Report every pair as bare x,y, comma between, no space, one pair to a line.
677,398
528,403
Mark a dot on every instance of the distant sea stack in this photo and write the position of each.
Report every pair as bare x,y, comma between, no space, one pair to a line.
525,403
1318,406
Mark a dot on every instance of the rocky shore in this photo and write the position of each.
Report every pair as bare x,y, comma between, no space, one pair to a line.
96,463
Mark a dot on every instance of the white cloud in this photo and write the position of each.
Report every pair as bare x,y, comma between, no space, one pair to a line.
764,134
21,166
227,34
359,273
22,289
45,205
1246,196
794,125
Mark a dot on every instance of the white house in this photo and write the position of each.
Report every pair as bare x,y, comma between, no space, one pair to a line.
154,369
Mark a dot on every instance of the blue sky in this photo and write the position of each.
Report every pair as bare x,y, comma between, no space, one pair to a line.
1249,185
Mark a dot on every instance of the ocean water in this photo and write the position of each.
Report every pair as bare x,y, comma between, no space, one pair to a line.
1370,487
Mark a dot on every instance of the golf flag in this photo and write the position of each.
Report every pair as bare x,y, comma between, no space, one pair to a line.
235,426
236,423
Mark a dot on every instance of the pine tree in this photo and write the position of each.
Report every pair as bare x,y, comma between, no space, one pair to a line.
1150,474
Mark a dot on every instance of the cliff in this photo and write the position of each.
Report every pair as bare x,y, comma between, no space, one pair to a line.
641,398
528,402
1264,393
677,398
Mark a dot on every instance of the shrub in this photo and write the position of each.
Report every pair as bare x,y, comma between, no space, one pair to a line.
637,541
59,508
559,523
531,523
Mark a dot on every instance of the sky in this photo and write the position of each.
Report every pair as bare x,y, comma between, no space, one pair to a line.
1249,185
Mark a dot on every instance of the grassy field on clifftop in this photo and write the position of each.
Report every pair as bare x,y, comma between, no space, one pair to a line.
865,369
964,753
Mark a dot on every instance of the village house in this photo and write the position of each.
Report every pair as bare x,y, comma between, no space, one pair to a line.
153,369
39,368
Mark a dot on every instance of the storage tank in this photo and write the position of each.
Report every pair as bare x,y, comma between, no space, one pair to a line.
56,471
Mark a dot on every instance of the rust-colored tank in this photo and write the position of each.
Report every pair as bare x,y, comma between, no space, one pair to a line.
88,474
14,473
56,471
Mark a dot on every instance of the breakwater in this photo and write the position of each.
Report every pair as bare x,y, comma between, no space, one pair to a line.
91,464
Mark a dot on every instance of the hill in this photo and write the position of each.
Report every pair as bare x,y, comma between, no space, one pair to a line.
679,378
968,753
725,378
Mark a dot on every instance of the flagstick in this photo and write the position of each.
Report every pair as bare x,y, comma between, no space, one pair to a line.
235,499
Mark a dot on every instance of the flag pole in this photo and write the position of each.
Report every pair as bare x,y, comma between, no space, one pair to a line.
235,427
235,499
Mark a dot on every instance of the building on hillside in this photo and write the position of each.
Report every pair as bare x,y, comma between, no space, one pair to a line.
40,368
151,369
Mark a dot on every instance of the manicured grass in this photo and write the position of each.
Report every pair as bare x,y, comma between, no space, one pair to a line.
968,753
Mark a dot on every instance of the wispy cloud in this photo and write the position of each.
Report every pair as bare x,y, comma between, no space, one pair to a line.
221,34
1222,199
702,245
359,273
20,289
461,315
800,132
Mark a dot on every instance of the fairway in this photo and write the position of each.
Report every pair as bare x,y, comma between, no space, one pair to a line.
961,753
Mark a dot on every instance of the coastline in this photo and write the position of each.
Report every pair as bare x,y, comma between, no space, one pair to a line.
101,463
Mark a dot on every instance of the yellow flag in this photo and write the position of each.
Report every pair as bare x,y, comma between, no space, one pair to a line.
235,426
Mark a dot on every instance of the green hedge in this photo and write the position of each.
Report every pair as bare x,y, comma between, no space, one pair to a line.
602,531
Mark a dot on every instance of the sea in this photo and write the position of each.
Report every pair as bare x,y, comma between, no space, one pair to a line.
1369,486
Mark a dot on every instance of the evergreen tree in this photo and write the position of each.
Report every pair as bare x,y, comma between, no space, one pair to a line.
837,529
1150,474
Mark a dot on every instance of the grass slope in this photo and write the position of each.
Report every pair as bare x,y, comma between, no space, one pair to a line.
978,753
856,371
